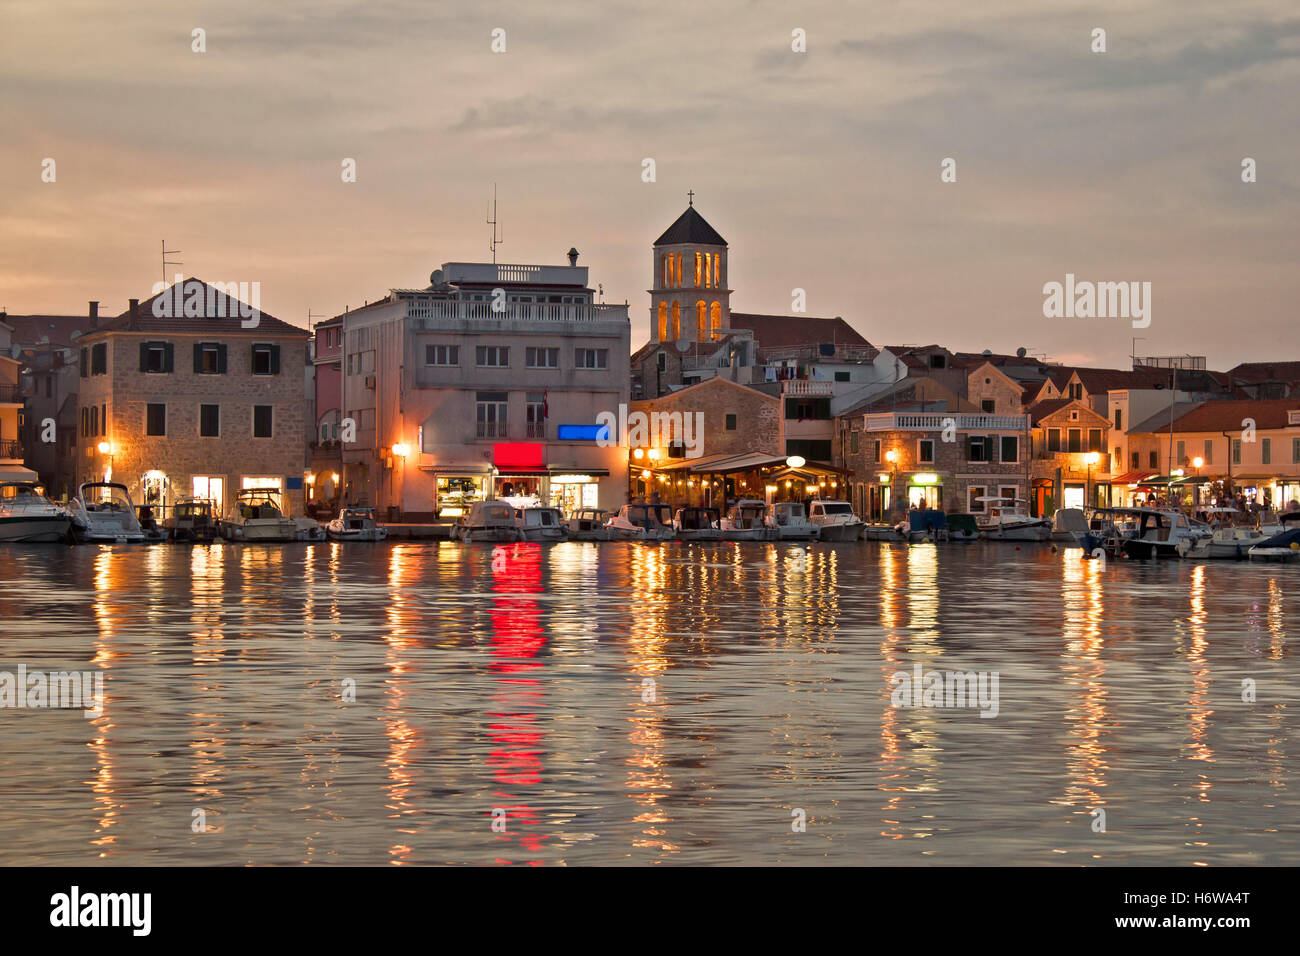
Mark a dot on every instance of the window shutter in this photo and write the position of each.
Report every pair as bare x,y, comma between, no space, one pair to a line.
198,358
221,359
169,357
275,360
85,362
144,356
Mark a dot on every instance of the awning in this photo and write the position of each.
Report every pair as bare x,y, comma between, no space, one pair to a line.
474,468
1132,477
577,470
17,473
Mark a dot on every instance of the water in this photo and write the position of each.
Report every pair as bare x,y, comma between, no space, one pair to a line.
638,704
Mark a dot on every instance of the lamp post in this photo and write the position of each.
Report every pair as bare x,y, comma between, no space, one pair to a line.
1091,458
891,456
401,450
1197,463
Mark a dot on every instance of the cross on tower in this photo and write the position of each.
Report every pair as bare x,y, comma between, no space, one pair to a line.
690,198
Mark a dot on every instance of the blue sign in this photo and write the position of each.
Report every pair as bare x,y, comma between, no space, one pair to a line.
583,433
293,484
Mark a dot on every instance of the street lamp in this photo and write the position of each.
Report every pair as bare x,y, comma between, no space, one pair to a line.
891,456
1197,463
1091,458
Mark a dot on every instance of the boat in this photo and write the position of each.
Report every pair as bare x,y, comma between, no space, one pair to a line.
103,513
746,521
835,520
588,524
962,527
355,524
193,519
540,523
26,515
642,522
1283,546
259,518
1233,542
878,531
1158,534
697,524
487,521
153,531
789,519
307,529
923,525
1005,519
1069,525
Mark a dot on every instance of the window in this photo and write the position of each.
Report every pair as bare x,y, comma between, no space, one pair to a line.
155,419
442,355
1137,460
1076,391
818,409
731,423
535,415
266,360
875,451
1075,438
492,356
1266,451
938,361
1010,491
1236,451
988,405
262,421
1010,448
491,414
209,358
1295,451
1094,440
925,451
980,448
663,361
811,449
1053,439
1181,457
99,359
853,443
1154,460
209,421
1119,419
591,358
663,321
103,419
84,364
677,321
842,376
542,358
1208,454
155,357
973,494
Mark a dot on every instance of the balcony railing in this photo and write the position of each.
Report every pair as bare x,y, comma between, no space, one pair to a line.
459,310
807,387
11,450
813,354
10,393
938,421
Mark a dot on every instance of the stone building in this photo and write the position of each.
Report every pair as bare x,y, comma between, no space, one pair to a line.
176,406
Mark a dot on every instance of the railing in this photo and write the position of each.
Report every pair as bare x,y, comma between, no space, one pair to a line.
807,387
484,272
461,310
812,353
10,393
938,421
11,450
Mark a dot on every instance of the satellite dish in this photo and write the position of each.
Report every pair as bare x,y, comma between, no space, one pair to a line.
683,344
988,352
436,277
1021,352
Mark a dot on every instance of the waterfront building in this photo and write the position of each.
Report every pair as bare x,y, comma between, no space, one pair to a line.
11,413
175,406
325,468
1071,461
486,383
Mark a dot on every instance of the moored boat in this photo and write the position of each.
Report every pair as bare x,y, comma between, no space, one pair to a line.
192,519
1069,525
1005,519
789,519
962,527
26,515
355,524
835,520
697,524
103,513
259,519
487,521
642,522
746,521
1283,546
540,523
588,524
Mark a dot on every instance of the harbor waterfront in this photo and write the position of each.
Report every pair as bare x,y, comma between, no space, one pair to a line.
630,703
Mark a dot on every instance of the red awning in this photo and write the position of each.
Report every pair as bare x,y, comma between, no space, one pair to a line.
1133,477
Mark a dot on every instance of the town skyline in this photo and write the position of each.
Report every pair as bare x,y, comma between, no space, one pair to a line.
1089,165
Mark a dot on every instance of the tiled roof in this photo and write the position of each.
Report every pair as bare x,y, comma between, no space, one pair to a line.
58,329
788,331
144,320
1225,416
1048,407
690,227
1160,420
1255,372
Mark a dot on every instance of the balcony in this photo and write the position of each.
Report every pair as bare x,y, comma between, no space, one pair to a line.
11,450
10,395
429,312
797,387
811,354
938,421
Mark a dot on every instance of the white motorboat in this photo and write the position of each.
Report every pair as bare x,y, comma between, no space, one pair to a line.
192,519
355,524
1283,546
789,519
27,515
1159,534
1005,519
487,521
746,521
1233,542
103,513
697,524
642,522
876,531
259,519
1069,525
538,523
835,520
588,524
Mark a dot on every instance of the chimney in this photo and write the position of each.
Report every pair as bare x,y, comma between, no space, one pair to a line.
133,309
94,313
573,256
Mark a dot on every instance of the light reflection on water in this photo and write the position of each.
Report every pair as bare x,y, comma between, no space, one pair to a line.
418,703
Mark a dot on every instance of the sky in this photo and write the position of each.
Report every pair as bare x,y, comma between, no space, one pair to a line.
820,168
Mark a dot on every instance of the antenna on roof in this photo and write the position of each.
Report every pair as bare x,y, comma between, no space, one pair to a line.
165,263
492,221
319,315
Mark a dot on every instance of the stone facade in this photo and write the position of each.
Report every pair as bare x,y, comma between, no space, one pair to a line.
737,419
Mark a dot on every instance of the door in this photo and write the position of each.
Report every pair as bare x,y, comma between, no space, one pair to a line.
211,488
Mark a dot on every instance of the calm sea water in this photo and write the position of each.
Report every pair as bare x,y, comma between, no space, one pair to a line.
625,704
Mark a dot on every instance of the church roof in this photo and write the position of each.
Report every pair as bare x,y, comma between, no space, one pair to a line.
690,227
